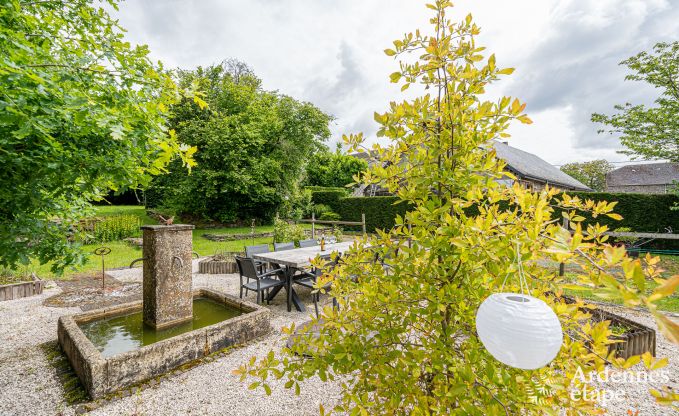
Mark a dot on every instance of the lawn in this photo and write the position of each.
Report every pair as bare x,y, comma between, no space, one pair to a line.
123,253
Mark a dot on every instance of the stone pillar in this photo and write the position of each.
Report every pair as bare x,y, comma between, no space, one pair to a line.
168,298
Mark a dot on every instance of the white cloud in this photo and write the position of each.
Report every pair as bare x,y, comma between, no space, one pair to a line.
330,53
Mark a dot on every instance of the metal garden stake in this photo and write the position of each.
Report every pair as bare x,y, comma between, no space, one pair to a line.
102,251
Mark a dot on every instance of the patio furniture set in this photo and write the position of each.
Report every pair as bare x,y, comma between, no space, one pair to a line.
267,272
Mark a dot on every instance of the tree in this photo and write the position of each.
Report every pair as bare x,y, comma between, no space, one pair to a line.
403,339
81,113
330,169
653,132
592,173
253,146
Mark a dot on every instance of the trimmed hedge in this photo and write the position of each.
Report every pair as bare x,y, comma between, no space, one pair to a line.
327,196
640,212
380,211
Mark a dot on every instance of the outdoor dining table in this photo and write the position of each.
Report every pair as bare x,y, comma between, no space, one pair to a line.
298,259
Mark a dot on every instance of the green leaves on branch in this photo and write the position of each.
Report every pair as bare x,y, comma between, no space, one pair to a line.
254,147
650,132
82,112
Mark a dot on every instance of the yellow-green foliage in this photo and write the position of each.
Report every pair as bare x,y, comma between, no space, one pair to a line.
115,228
403,339
284,231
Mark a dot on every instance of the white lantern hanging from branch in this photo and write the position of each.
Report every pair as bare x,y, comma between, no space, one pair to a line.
517,329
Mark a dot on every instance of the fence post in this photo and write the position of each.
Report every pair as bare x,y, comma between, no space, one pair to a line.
363,221
313,225
562,266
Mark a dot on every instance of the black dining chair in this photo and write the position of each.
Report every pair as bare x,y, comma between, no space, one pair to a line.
258,249
308,279
308,243
261,281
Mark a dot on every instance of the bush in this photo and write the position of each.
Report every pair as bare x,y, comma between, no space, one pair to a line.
297,206
320,209
329,216
114,228
380,211
283,231
624,240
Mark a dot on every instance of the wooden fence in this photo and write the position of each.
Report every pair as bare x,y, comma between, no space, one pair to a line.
314,221
22,290
638,236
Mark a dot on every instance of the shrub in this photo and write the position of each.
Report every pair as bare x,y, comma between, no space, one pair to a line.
114,228
329,216
380,211
297,206
337,232
284,231
320,209
624,239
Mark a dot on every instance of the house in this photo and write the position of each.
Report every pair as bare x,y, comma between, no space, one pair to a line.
530,171
651,178
534,173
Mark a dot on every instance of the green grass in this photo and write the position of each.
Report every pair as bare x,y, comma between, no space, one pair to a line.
122,253
136,210
670,304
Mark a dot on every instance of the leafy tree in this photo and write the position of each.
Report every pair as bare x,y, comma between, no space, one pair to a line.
592,173
403,339
253,146
81,113
653,132
330,169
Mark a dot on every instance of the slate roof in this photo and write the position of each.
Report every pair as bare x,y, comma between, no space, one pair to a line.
644,174
528,166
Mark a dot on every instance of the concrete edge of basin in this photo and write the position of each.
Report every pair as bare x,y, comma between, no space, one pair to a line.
101,376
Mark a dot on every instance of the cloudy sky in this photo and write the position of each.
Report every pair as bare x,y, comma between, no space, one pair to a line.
329,52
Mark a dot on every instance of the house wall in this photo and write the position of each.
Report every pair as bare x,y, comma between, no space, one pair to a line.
641,189
539,186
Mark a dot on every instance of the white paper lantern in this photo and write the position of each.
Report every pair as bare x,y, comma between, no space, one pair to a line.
519,330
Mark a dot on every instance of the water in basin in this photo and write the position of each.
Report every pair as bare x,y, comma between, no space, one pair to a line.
123,333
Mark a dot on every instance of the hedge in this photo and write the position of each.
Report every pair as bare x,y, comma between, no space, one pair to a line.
327,196
380,211
640,212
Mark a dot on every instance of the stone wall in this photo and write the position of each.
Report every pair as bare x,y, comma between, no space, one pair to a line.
101,376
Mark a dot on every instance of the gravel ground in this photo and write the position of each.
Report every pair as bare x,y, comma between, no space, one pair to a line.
632,395
29,385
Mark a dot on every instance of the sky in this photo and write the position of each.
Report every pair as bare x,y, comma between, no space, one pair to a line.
329,52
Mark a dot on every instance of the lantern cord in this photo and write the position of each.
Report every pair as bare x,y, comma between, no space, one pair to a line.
519,268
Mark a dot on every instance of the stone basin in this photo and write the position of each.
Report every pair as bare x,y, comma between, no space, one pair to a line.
102,372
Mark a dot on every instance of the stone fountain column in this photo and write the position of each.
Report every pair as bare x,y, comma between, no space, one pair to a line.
168,298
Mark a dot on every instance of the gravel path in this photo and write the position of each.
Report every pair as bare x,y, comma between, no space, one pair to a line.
29,385
633,395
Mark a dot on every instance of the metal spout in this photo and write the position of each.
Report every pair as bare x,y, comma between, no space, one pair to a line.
136,261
